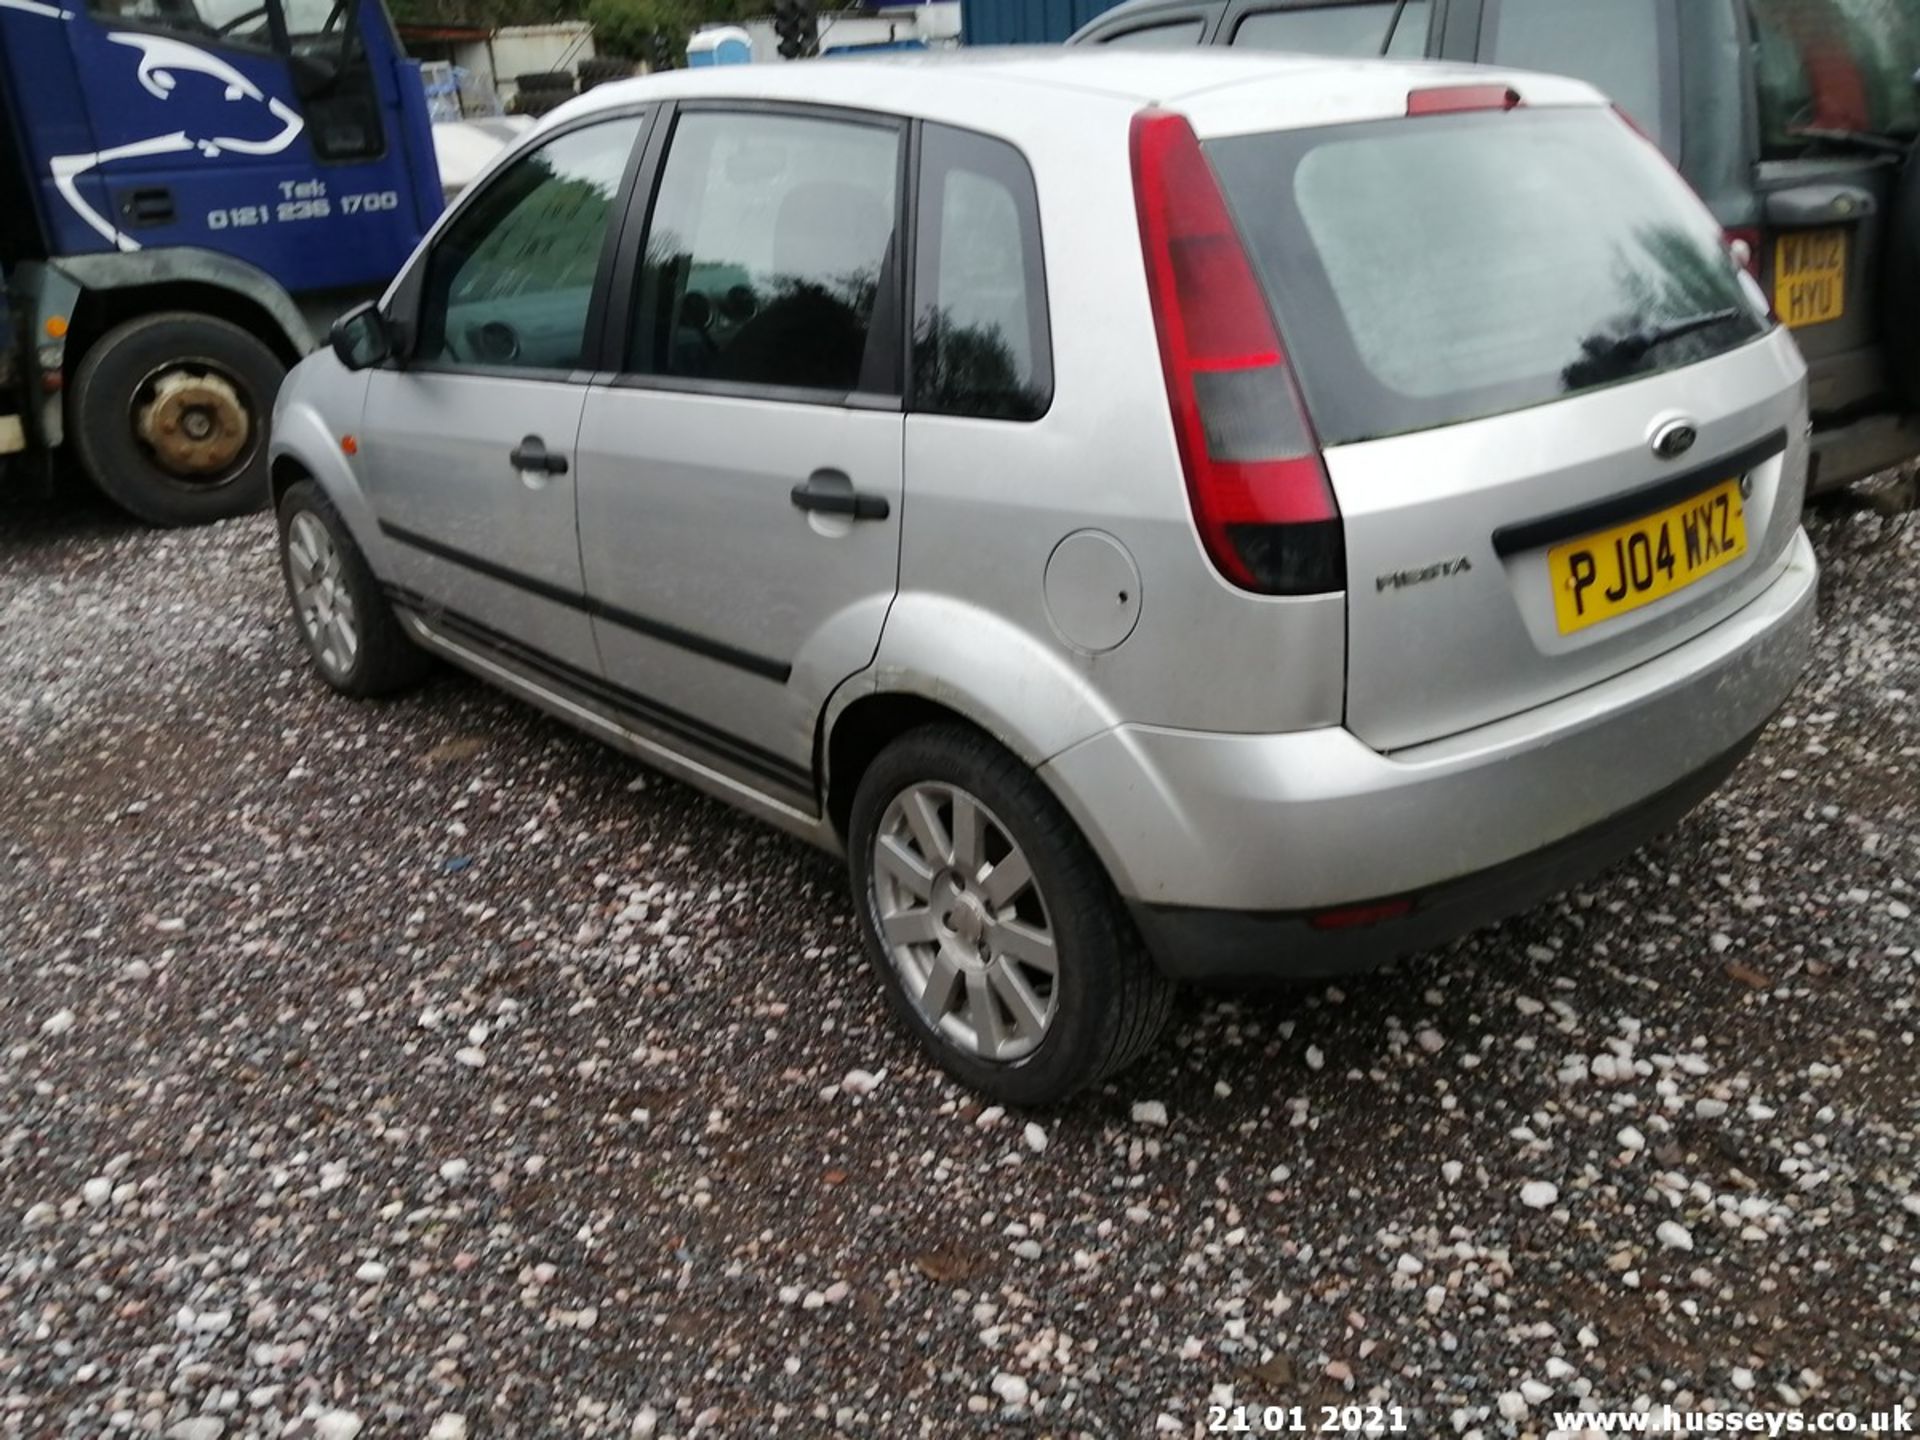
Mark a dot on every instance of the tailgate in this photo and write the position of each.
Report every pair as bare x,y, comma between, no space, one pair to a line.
1562,431
1454,610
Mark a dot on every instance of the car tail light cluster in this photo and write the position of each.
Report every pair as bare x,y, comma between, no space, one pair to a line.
1255,478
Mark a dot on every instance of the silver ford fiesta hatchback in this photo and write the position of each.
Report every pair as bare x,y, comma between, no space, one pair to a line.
1164,517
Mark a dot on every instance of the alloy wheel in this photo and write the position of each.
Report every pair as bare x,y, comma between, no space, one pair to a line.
964,923
321,599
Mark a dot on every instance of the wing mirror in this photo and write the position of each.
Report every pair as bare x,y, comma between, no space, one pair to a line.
364,337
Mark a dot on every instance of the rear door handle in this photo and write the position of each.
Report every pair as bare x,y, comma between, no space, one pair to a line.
830,492
532,454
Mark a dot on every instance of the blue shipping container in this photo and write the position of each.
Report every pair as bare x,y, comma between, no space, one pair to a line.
1026,22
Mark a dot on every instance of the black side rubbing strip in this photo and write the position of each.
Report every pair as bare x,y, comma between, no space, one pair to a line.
777,671
717,742
1584,519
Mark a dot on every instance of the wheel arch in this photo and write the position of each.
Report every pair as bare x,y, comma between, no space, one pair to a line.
304,447
117,288
861,730
944,659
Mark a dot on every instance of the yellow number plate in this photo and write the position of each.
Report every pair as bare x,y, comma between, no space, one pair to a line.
1810,277
1614,571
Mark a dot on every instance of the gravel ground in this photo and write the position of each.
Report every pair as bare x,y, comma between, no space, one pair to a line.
424,1069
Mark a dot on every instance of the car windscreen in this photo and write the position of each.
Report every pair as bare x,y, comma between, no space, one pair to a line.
1829,69
1445,268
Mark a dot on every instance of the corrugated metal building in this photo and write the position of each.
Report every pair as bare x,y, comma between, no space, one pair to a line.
1026,22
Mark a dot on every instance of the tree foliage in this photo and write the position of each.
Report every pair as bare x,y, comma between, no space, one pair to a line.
621,27
628,27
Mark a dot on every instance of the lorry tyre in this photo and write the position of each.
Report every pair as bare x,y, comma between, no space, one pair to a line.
549,82
599,69
169,414
1903,283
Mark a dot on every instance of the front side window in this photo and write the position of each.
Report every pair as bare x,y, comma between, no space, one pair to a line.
1830,68
770,240
1618,46
335,81
980,344
327,57
1177,35
510,283
232,22
1338,29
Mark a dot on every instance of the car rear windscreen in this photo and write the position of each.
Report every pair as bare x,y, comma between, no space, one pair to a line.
1445,268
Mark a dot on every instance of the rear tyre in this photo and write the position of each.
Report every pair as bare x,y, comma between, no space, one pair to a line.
351,633
169,415
991,924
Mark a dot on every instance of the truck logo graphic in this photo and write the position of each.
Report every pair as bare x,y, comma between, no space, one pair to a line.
162,62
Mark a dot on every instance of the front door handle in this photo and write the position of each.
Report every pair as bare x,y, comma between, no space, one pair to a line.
830,492
532,454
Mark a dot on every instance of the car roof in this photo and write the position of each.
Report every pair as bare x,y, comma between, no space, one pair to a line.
1276,88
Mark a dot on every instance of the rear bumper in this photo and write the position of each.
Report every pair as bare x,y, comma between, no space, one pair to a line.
1852,450
1219,843
1221,946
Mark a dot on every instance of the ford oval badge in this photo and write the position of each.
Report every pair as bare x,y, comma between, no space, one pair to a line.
1674,440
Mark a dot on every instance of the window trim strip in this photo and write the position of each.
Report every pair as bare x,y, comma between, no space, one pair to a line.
777,671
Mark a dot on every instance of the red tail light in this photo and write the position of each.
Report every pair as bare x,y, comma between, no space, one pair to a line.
1259,490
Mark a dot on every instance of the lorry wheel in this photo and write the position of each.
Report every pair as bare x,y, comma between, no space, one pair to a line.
169,413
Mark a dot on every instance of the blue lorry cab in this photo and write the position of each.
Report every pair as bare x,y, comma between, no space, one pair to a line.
254,163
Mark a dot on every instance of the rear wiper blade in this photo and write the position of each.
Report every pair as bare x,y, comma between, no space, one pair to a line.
1858,139
1637,343
1605,358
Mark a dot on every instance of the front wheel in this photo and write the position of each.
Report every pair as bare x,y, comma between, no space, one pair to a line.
992,925
169,414
349,629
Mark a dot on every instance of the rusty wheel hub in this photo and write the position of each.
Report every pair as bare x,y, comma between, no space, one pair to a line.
195,423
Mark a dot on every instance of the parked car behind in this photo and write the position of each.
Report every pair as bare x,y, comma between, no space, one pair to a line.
1188,517
1794,119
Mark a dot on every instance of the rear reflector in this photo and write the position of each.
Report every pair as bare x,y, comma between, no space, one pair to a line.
1745,247
1355,917
1255,480
1456,99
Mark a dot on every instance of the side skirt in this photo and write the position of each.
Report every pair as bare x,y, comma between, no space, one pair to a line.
745,782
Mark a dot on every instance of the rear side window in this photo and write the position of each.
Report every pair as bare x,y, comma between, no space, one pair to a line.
1834,65
980,342
1432,271
1338,29
1619,46
765,255
1175,35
